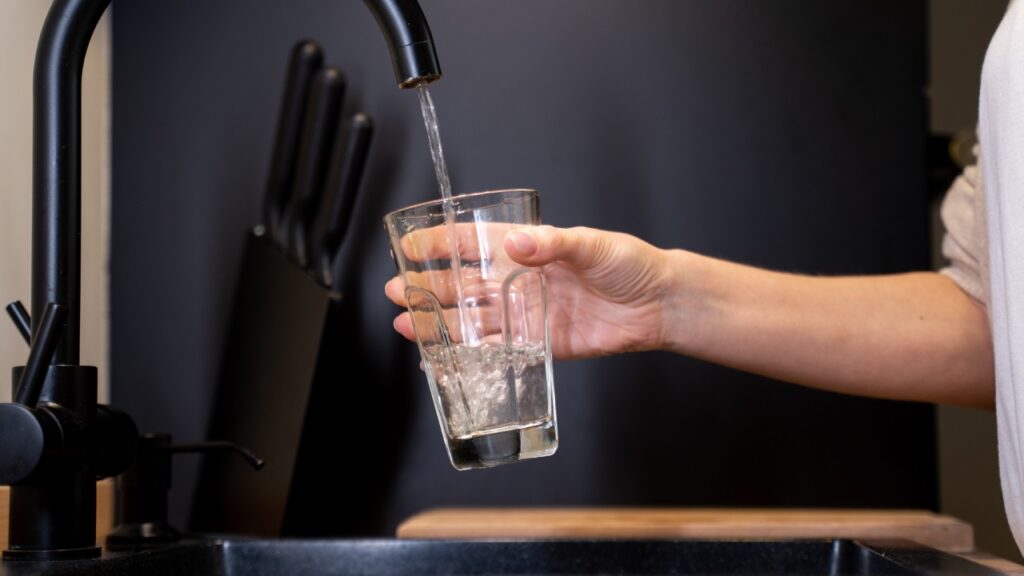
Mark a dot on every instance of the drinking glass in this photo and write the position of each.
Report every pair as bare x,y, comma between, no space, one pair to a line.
481,325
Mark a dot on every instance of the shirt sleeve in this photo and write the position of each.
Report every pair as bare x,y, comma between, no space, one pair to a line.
965,241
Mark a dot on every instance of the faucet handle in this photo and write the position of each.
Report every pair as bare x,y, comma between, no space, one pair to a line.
48,334
22,321
25,436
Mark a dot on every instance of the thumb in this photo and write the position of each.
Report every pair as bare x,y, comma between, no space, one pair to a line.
582,248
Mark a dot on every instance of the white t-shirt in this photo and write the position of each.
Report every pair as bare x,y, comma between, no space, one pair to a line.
984,217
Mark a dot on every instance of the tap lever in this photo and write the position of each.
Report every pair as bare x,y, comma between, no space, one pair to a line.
219,446
48,334
19,315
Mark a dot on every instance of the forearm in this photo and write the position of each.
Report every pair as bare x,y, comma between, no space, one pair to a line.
910,336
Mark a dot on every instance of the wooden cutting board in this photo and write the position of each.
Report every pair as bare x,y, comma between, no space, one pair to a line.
104,511
935,530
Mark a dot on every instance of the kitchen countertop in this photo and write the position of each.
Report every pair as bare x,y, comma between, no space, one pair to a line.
938,531
624,537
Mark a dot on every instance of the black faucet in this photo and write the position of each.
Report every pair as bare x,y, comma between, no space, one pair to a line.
56,440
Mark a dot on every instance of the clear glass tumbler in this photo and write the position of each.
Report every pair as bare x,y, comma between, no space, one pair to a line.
483,341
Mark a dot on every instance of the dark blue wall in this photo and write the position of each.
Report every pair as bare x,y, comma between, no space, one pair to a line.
784,133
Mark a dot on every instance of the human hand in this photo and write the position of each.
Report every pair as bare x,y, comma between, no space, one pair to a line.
607,292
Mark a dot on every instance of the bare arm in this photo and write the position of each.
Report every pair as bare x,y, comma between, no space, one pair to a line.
911,336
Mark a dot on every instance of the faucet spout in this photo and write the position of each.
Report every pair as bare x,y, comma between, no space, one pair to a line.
56,237
409,39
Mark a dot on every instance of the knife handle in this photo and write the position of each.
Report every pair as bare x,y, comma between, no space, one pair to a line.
305,61
318,135
347,165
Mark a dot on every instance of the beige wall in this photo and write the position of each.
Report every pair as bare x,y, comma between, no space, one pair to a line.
20,23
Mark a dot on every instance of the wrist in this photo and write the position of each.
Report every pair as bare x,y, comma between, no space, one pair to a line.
688,302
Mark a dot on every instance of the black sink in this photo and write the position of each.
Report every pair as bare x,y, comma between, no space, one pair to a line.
394,557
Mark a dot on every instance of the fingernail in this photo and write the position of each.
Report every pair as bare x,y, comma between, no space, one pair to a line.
394,323
524,242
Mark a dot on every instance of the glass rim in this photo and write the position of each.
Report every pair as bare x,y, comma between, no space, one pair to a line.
438,201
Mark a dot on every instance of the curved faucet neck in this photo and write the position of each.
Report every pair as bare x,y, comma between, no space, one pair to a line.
56,158
56,204
409,40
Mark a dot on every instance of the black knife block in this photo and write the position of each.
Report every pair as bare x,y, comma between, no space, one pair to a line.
287,393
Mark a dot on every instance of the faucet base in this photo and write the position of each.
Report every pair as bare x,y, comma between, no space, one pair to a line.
53,513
